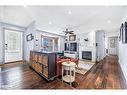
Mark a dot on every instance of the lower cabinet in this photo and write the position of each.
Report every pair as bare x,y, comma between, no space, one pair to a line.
45,71
38,68
44,64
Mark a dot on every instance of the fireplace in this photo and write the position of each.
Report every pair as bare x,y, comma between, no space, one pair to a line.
87,55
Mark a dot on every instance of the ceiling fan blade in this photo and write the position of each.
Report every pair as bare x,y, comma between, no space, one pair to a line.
66,33
71,31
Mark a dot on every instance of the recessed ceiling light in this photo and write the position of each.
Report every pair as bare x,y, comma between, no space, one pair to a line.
50,22
109,21
69,12
107,6
25,6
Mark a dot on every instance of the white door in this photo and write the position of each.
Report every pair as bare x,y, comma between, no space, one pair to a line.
13,46
99,45
113,45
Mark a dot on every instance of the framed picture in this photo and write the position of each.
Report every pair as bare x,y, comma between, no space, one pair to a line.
72,37
112,43
124,33
120,33
29,37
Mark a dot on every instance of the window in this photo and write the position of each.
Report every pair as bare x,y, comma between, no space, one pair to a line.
12,44
55,44
49,43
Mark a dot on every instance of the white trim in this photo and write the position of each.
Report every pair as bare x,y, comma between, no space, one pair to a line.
3,30
49,33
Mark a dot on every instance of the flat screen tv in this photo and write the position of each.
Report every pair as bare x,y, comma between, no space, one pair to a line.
73,47
70,47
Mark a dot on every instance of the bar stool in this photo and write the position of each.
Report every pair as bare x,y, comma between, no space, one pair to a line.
68,76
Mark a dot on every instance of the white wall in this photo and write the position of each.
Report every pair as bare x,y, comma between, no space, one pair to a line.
110,34
8,26
91,44
29,45
1,40
1,44
84,30
38,37
123,52
87,46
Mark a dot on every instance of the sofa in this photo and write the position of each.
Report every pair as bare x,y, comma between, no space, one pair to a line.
64,59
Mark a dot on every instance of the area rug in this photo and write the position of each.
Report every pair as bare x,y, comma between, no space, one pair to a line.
85,64
80,70
83,67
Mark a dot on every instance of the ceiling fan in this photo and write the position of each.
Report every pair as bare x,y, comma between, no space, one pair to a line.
68,32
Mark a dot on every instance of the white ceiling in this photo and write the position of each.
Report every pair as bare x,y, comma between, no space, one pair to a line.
56,18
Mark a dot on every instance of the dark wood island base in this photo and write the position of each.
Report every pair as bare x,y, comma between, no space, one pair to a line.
44,63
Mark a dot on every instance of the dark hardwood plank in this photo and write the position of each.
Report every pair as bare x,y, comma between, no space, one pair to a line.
22,77
106,74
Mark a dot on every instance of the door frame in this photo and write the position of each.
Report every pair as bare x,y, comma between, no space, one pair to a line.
117,44
4,43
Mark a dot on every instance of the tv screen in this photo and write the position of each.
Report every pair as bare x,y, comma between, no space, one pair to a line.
73,46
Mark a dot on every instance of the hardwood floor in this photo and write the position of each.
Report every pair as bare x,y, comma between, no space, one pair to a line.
22,77
106,74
